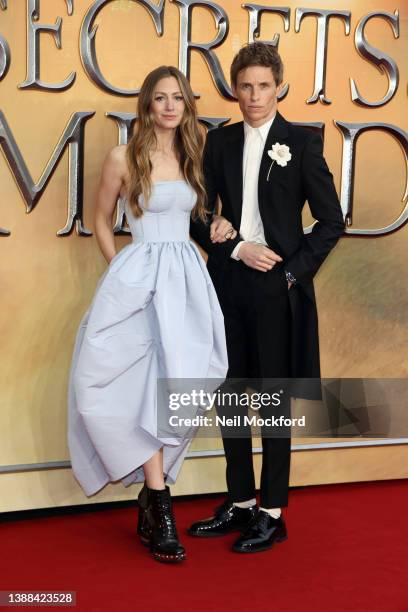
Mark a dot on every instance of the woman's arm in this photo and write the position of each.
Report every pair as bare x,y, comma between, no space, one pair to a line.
110,184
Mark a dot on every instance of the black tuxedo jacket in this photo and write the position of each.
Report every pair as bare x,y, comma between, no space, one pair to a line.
281,200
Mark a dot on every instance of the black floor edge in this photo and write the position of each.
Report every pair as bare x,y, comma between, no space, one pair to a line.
17,515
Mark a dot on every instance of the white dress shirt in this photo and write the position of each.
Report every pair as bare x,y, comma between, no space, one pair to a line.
251,228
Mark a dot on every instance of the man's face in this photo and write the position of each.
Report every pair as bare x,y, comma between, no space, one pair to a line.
257,93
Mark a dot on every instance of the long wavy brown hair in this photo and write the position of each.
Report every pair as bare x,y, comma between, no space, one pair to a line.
188,144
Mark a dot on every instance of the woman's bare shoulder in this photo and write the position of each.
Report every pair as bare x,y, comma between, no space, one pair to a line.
117,155
115,161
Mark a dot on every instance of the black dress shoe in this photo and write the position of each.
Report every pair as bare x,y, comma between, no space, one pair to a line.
261,534
227,518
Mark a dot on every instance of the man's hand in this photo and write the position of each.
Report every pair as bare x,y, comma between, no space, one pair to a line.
258,256
221,230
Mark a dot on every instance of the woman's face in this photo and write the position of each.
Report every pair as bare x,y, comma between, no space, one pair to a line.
167,106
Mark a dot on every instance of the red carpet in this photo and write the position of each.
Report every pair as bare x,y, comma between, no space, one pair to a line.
347,549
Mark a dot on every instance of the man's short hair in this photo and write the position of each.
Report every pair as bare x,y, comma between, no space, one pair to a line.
257,54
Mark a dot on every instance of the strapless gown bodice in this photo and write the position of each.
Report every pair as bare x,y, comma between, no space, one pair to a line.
167,216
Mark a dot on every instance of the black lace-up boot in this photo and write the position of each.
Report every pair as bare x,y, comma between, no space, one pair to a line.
159,527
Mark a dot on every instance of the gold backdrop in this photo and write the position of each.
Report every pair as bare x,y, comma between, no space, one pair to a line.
47,281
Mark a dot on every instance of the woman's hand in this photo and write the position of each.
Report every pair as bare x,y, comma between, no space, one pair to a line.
221,230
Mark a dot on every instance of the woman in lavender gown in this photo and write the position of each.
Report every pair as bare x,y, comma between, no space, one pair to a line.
155,313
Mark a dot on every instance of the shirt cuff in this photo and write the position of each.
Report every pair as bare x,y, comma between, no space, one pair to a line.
234,253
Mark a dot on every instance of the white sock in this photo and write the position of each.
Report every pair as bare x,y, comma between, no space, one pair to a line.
245,504
274,512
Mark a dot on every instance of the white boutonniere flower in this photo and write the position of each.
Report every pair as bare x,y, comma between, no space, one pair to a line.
280,154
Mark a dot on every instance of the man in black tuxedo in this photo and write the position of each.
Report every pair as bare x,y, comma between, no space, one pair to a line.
264,169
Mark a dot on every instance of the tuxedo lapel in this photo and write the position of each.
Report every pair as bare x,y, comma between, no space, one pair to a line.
233,163
266,193
233,167
278,133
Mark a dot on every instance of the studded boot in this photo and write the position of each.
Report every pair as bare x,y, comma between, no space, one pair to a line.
164,543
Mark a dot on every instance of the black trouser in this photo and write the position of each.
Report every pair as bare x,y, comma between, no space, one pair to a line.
257,323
